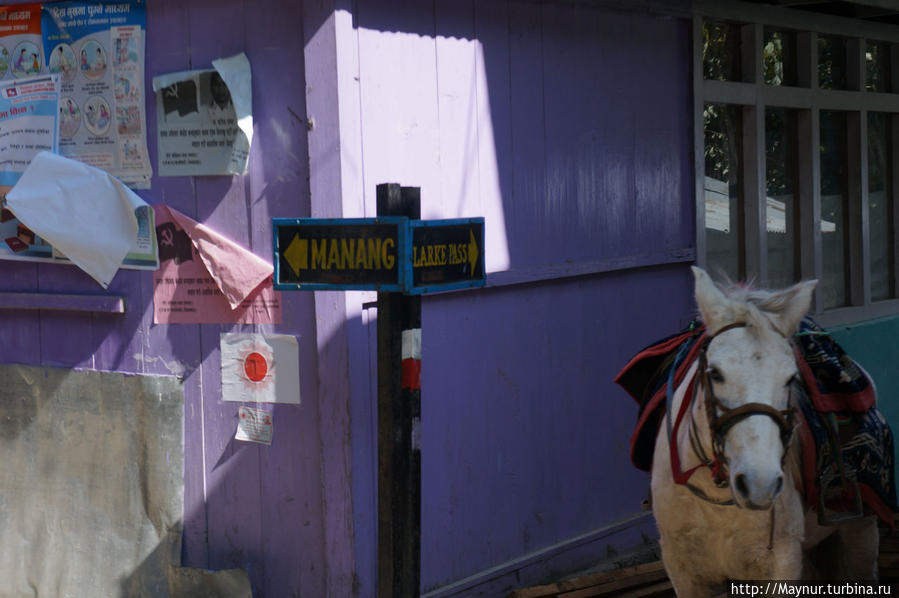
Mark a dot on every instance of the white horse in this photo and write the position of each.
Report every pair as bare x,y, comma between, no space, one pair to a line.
752,524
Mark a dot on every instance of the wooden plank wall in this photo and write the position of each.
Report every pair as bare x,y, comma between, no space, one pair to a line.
246,506
566,125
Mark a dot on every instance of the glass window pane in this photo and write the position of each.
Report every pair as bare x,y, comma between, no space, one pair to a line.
723,208
721,51
879,208
834,198
877,67
782,190
832,62
779,56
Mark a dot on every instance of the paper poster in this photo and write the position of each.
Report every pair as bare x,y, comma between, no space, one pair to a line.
93,220
205,278
260,368
98,51
21,52
205,119
28,123
32,248
254,425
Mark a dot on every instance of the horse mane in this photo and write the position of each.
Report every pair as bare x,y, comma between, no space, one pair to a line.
751,304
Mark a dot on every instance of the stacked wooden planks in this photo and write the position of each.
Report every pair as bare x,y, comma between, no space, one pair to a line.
642,581
650,581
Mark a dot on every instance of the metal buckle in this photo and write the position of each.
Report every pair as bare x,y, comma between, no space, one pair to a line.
831,482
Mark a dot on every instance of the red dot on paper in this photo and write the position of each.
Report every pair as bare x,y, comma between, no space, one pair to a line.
255,366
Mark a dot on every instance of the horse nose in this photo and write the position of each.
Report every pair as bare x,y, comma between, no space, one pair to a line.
741,486
778,485
756,492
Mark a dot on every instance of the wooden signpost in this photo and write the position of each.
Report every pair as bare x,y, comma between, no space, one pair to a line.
400,256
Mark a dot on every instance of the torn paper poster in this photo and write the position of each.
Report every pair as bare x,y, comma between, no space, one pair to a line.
260,368
21,243
254,425
98,51
205,278
85,214
205,119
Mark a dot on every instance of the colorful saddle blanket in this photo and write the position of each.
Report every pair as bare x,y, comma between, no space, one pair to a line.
843,430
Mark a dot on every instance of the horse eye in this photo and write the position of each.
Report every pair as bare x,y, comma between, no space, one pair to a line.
715,375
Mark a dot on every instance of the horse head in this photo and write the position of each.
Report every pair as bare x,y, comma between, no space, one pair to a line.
746,371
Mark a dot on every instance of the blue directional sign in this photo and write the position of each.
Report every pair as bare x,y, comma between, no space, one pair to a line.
389,253
341,254
447,254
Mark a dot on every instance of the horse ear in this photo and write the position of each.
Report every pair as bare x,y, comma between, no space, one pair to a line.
787,307
714,307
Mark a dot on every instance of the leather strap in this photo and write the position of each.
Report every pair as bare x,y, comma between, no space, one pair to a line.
730,416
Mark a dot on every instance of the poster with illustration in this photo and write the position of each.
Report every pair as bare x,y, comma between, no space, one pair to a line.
98,51
21,53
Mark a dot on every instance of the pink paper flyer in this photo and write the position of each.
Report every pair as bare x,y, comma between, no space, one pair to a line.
204,278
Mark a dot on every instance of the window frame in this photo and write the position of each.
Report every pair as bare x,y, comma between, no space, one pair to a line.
754,96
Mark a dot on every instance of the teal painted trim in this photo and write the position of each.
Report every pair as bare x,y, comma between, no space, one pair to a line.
875,346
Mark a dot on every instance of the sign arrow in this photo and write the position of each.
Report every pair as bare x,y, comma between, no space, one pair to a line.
472,252
297,254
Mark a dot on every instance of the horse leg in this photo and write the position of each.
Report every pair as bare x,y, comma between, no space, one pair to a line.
686,584
861,545
787,562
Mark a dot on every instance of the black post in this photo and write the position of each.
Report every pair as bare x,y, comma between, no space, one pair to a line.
399,422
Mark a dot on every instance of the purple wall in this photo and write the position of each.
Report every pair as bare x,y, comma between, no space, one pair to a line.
567,127
248,506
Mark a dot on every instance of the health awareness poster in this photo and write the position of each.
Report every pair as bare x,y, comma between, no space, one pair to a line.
21,53
98,51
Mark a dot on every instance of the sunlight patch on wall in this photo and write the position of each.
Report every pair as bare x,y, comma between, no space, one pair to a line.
427,122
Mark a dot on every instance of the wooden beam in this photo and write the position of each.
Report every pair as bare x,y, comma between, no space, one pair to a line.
110,304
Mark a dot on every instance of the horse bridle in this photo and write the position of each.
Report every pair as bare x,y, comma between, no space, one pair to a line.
720,424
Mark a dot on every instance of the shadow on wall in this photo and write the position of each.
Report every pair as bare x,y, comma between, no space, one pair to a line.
247,505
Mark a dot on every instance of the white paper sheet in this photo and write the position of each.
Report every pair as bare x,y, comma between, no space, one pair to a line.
205,128
80,210
254,425
259,368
